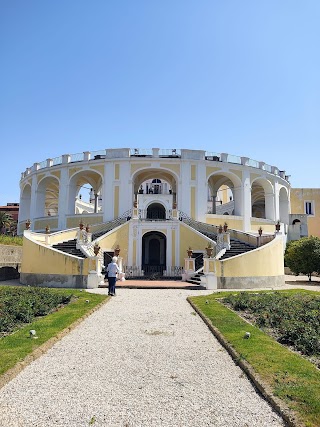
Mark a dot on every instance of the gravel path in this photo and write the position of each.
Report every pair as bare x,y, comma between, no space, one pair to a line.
144,359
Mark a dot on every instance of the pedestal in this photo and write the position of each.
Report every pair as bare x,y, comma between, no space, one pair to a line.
211,280
209,273
94,279
189,268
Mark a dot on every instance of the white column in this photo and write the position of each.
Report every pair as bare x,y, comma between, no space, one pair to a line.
214,203
33,204
277,201
270,206
96,203
246,201
108,196
169,247
201,192
86,156
63,199
183,189
125,190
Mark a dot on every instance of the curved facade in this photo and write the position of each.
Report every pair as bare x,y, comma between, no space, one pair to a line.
155,205
208,187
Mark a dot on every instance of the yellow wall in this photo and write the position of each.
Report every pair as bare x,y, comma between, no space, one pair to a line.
193,202
264,261
223,194
38,259
116,202
189,237
266,228
298,197
173,247
236,224
40,224
116,171
119,237
74,221
193,172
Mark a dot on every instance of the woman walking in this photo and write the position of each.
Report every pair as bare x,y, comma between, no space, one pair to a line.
112,271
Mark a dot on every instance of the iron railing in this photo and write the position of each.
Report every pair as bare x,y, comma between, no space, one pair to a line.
152,272
110,225
208,230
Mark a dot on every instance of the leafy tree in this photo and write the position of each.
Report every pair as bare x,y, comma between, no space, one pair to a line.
303,256
6,220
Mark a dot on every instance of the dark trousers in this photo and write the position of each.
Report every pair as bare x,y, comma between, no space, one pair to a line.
112,285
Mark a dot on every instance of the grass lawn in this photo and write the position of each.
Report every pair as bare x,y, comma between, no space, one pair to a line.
9,240
291,378
16,346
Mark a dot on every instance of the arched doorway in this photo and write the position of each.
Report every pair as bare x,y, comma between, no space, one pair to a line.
156,211
154,253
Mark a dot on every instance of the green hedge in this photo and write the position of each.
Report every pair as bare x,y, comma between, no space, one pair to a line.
295,319
19,305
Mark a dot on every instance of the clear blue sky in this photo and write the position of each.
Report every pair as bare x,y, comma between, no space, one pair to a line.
241,77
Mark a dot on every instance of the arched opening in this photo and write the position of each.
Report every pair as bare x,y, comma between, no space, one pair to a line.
155,182
85,193
258,206
295,221
154,248
262,199
156,211
223,194
47,197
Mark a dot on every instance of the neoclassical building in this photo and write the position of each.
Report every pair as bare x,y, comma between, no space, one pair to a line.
155,204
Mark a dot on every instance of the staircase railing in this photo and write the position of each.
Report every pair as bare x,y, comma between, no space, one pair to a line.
211,231
110,225
208,230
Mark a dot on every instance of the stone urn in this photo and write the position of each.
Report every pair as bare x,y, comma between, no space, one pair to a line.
260,231
209,250
28,223
96,249
189,252
278,226
48,229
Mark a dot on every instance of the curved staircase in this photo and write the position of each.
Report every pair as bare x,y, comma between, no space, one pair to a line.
70,248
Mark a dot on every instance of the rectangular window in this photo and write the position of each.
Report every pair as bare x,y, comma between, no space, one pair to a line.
309,207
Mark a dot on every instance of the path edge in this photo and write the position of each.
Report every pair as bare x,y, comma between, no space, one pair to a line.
262,387
43,348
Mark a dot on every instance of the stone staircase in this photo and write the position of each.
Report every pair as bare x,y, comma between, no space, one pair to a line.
236,248
196,280
69,247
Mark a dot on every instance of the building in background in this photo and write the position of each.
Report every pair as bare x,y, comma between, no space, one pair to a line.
304,219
